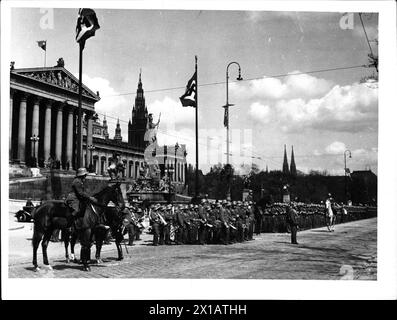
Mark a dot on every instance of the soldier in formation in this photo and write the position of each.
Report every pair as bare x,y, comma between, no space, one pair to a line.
220,222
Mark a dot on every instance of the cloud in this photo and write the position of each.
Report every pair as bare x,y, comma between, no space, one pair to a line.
173,115
260,113
332,158
111,103
305,103
335,147
295,85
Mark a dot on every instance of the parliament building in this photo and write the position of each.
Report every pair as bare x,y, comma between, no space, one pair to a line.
43,127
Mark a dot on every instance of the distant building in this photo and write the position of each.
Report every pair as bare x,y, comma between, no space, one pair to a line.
139,118
285,162
293,166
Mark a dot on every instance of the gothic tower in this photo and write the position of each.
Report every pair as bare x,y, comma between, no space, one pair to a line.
105,128
117,134
138,122
293,166
285,162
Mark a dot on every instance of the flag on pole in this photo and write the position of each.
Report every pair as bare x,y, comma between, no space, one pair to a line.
87,24
348,173
189,98
226,117
42,44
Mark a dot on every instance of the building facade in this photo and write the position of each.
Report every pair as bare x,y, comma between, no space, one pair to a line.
44,105
43,127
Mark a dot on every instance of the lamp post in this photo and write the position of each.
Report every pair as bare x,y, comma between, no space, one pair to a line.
176,149
34,139
170,173
350,155
91,148
226,120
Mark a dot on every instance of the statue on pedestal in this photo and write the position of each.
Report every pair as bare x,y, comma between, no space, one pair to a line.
116,169
151,163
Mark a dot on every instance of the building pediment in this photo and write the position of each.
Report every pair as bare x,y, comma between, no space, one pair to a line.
58,77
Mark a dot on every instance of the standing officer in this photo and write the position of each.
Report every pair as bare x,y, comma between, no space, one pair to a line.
168,217
224,217
258,213
131,226
203,216
292,219
155,222
180,224
251,220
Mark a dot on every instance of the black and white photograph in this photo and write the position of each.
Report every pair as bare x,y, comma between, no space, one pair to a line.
201,150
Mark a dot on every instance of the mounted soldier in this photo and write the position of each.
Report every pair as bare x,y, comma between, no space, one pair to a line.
78,198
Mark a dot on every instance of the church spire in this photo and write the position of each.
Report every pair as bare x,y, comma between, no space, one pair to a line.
137,125
293,166
105,128
117,135
140,81
285,162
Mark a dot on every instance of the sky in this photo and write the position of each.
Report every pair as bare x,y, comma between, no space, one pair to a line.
281,101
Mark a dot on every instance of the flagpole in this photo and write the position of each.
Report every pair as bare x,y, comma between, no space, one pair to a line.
45,54
197,166
79,135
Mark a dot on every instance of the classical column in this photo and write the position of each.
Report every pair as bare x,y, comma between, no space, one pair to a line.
58,141
35,125
22,129
47,130
11,111
69,139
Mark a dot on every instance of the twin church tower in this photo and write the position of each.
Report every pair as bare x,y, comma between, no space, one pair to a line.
289,170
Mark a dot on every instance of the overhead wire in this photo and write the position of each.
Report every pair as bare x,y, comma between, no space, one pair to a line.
248,79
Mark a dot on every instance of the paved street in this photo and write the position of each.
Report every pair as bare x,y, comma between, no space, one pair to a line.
349,252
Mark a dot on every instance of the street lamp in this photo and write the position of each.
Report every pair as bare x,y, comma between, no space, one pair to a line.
350,155
176,149
239,78
34,139
170,173
91,148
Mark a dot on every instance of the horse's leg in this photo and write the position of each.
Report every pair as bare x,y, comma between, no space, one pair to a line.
44,245
73,239
328,223
85,252
37,236
118,239
66,240
333,222
99,237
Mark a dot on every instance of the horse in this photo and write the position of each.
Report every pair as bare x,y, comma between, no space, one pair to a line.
55,214
116,220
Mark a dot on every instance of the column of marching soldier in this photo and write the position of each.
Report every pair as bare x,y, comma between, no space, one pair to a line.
220,222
